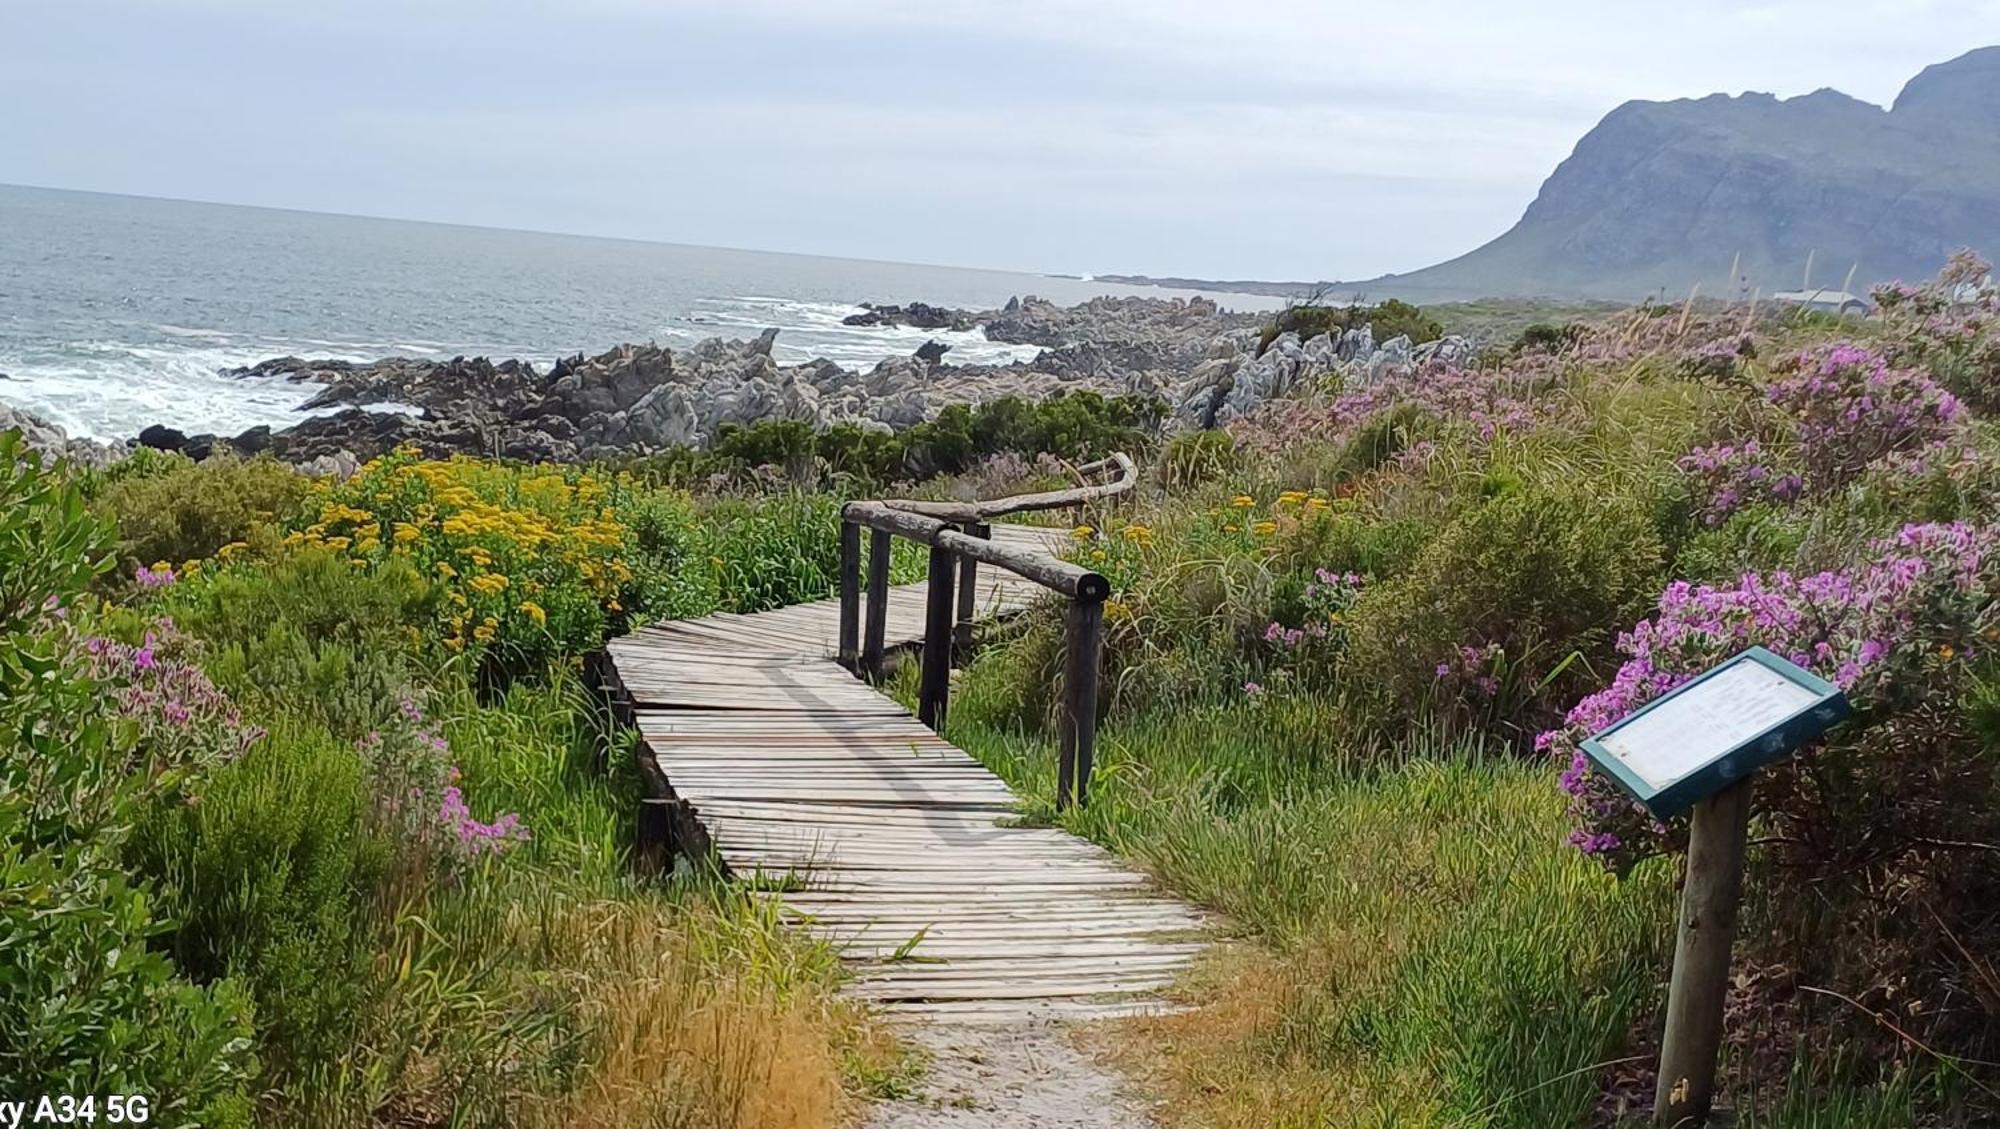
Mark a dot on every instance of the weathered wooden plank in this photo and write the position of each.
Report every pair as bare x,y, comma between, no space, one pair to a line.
803,775
1001,988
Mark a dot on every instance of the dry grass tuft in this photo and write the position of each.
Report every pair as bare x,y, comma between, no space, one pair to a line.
696,1019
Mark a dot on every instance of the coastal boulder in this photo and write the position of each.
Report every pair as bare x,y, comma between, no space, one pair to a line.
51,441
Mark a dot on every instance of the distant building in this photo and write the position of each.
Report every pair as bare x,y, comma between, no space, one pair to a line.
1828,301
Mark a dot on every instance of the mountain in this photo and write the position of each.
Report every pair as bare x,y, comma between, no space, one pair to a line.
1663,195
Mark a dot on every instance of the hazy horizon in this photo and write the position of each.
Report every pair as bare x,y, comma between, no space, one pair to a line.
1171,138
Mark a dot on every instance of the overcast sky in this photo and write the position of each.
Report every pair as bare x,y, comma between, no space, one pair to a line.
1272,139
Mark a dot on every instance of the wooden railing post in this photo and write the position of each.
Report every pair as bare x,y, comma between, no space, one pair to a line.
934,691
968,589
1085,621
878,602
850,593
653,839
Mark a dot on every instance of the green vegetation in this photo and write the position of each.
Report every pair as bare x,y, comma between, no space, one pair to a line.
1076,426
1352,650
309,828
306,815
1391,318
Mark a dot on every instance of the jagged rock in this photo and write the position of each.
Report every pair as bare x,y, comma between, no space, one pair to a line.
173,439
906,408
339,464
1285,365
918,315
1357,343
51,441
932,352
1450,349
662,419
1394,357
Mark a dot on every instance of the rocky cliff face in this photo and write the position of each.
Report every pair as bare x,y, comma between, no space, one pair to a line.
1664,195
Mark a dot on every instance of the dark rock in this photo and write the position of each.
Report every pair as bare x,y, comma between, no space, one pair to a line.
918,315
163,438
932,352
255,441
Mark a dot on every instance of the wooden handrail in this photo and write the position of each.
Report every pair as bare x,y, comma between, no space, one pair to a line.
1128,476
957,534
1070,579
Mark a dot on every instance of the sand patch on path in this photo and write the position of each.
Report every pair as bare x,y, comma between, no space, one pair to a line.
1026,1076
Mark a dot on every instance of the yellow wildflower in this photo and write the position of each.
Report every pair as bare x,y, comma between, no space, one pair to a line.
1243,501
445,570
1264,528
406,533
1083,533
534,611
229,551
483,633
489,583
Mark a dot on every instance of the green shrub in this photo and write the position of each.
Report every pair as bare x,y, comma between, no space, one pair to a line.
85,1007
1391,318
303,632
1548,338
1196,458
1504,596
1071,425
268,880
190,510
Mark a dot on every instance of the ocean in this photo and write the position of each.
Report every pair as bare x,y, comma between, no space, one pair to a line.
117,312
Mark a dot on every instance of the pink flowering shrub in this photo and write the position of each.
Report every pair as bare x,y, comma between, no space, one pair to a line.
1483,402
1850,408
419,805
1950,326
1874,832
1879,632
1730,476
1306,636
1848,411
182,721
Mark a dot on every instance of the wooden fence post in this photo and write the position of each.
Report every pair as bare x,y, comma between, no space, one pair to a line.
940,608
1079,718
653,838
1700,987
850,593
878,602
968,589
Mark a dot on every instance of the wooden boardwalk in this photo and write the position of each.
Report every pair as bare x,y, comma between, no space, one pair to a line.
882,837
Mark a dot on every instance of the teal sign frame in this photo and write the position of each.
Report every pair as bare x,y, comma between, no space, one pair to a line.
1821,707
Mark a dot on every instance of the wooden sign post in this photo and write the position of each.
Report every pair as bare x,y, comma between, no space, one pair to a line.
1699,746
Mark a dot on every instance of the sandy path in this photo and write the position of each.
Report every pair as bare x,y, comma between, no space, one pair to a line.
1028,1076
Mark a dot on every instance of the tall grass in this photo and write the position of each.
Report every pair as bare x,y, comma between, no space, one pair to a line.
1428,951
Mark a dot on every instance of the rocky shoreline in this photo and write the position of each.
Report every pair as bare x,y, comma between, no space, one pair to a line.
1205,363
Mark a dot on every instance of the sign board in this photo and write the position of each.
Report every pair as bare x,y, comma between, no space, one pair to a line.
1751,710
